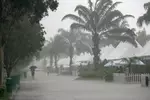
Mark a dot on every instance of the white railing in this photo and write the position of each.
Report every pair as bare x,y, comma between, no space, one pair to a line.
129,78
133,78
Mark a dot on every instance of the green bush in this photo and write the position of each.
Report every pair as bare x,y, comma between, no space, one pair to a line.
2,91
109,74
101,73
87,74
90,72
109,77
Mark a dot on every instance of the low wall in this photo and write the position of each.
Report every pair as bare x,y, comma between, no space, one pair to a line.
119,77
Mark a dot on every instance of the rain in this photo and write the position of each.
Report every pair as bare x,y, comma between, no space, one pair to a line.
74,50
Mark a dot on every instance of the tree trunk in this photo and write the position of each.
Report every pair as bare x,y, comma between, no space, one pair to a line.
44,62
70,65
96,50
51,60
8,71
71,57
129,67
1,65
56,66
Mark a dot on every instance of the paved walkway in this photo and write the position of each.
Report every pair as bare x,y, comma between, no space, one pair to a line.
55,87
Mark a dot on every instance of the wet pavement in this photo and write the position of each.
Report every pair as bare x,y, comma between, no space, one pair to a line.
56,87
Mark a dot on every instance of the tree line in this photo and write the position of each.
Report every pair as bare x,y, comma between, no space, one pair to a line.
104,25
21,34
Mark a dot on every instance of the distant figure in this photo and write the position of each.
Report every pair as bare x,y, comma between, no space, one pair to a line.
25,74
147,81
48,70
32,68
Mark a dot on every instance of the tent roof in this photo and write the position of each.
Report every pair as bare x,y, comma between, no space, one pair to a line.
64,61
83,57
145,50
106,51
131,51
119,50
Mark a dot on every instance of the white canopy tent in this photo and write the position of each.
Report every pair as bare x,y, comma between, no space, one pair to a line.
84,57
118,51
131,51
64,61
106,51
145,51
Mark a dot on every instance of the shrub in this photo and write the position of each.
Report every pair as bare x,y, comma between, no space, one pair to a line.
101,73
3,93
109,77
109,74
89,72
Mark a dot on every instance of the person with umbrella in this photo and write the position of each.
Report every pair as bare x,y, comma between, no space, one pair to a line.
32,68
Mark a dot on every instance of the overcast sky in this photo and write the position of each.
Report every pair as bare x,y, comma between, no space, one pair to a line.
53,22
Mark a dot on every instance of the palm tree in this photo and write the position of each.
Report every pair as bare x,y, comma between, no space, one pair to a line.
58,46
76,42
46,51
146,17
53,49
103,21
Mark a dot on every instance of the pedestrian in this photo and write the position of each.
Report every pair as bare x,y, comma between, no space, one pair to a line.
32,68
25,74
48,70
147,81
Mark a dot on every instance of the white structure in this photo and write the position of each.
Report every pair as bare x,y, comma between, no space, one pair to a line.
64,61
118,51
125,50
105,51
131,51
145,51
84,57
130,78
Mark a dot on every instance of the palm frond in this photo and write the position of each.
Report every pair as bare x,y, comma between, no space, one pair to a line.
65,40
140,21
117,30
146,17
79,26
102,5
108,18
90,4
147,5
83,15
124,24
61,30
94,17
120,32
111,8
83,8
73,17
82,46
123,38
122,18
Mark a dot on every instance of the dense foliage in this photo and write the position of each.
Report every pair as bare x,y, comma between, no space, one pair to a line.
145,18
24,41
103,21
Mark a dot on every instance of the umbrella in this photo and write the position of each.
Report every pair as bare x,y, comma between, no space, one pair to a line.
33,67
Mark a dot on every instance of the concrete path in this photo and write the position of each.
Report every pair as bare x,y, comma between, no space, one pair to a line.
55,87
